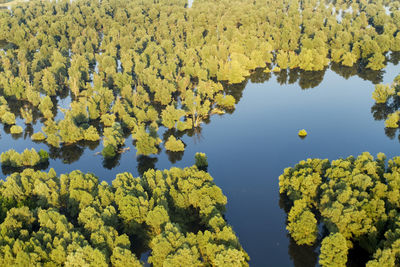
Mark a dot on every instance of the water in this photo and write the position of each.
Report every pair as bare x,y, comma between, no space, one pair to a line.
248,149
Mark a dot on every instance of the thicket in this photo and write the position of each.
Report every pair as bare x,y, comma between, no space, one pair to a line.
76,220
387,105
28,158
344,204
131,67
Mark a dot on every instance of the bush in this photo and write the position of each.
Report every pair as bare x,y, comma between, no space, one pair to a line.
201,160
382,93
44,156
15,129
392,120
76,220
355,199
26,159
8,118
302,133
38,136
174,145
109,152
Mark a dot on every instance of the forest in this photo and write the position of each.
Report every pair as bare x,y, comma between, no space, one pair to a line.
345,204
77,74
139,68
74,219
355,201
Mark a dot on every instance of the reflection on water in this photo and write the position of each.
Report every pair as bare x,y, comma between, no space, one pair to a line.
71,153
249,147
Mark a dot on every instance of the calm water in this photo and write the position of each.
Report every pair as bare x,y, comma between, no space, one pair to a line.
248,149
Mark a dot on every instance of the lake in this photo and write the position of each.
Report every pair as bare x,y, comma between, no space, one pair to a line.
248,149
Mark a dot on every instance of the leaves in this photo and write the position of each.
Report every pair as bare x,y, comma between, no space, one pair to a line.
73,219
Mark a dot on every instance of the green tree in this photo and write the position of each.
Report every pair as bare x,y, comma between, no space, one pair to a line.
333,251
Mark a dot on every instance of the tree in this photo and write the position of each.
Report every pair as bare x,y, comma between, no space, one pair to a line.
112,140
45,107
382,93
333,251
201,160
174,145
302,224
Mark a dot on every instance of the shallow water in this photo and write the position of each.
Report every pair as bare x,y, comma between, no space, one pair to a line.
248,149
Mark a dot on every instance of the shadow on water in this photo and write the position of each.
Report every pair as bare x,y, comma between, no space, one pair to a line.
69,154
257,190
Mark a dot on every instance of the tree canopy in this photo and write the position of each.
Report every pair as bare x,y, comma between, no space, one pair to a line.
354,200
146,65
75,220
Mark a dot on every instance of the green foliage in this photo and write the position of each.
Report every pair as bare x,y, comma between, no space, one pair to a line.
201,160
302,224
144,69
333,251
302,133
392,120
16,129
112,140
8,118
74,220
174,145
109,151
146,143
382,93
356,199
170,116
28,158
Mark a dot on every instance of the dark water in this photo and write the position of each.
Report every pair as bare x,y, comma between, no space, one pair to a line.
248,149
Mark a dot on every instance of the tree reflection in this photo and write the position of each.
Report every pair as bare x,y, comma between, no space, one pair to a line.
380,111
394,57
110,163
67,153
282,77
311,79
259,76
145,163
8,170
359,70
305,79
390,132
303,256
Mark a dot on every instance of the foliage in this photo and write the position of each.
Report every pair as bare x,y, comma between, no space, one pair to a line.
302,133
356,200
387,98
16,129
392,120
382,93
201,160
75,220
333,251
28,158
108,152
174,145
153,64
